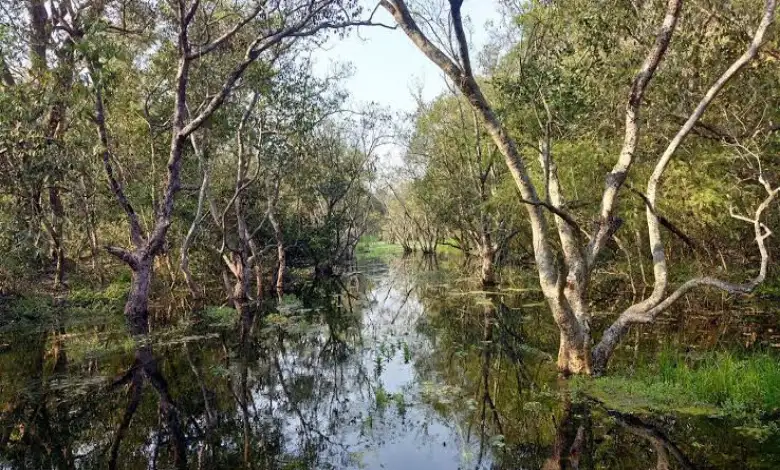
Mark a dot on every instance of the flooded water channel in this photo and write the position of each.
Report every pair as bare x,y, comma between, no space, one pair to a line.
391,367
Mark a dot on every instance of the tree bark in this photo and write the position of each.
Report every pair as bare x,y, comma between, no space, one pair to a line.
574,356
488,270
280,251
137,305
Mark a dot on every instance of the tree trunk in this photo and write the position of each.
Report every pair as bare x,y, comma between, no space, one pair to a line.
488,267
238,291
573,356
282,268
57,215
609,341
280,253
59,265
137,306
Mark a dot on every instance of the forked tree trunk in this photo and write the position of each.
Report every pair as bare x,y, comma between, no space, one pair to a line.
574,356
565,283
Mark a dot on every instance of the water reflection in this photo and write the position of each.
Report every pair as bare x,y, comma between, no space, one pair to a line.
393,366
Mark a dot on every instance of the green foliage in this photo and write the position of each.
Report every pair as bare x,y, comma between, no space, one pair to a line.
220,316
111,296
25,314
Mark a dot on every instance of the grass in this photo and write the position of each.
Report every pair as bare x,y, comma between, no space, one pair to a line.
715,384
371,247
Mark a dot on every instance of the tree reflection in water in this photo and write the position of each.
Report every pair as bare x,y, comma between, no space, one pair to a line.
397,367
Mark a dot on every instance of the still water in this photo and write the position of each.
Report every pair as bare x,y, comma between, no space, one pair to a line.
395,366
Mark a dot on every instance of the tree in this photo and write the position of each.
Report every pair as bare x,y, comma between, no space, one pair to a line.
565,283
276,25
36,155
464,186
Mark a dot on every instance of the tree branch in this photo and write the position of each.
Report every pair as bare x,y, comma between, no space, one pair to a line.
619,172
664,221
225,37
123,255
460,35
653,184
100,121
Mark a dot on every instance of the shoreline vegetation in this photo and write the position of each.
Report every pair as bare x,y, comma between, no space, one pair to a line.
745,385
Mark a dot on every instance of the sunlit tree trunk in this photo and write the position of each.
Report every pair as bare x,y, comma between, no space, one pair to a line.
488,255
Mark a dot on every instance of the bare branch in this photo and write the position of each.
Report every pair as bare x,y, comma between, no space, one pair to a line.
555,210
663,220
696,115
460,34
403,17
761,231
184,260
656,243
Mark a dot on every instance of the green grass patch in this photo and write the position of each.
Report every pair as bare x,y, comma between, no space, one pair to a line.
371,247
713,384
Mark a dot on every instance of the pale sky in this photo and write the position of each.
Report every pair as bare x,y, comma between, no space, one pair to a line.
388,68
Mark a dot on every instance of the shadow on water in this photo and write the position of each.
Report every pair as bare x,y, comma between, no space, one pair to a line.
395,365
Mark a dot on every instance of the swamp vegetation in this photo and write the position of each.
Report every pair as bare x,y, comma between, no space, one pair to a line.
211,256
